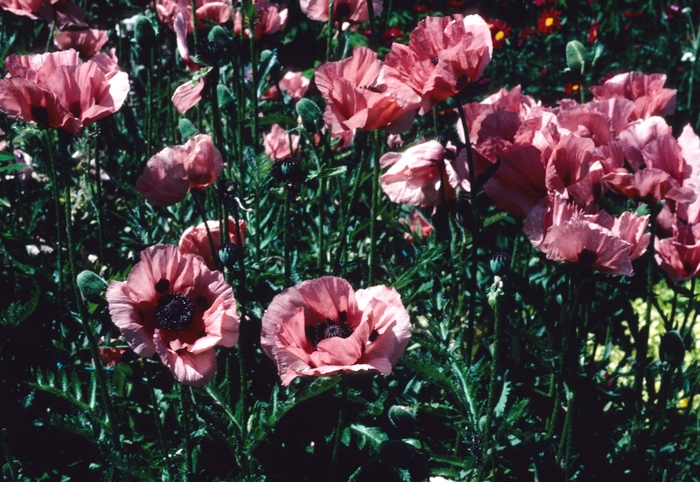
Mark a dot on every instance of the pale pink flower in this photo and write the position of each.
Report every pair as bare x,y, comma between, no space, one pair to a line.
210,10
357,97
174,171
87,42
196,241
276,143
268,19
351,11
647,92
293,83
323,327
442,57
418,225
173,305
416,175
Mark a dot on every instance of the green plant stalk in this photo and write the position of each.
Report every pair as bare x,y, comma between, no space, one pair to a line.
287,241
497,318
321,261
195,32
57,207
453,272
83,313
374,207
156,417
9,458
199,204
186,411
564,451
98,195
329,33
666,383
473,266
339,428
255,132
148,123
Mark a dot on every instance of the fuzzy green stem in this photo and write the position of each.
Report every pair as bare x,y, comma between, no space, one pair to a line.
57,207
186,411
156,416
371,259
287,242
329,33
339,428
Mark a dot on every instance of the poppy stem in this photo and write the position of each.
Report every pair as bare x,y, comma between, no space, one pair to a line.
373,209
195,32
473,266
329,35
287,241
186,410
339,428
150,376
57,208
98,195
199,204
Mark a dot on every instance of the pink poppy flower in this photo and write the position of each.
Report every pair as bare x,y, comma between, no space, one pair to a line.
174,305
188,95
679,255
600,241
416,175
293,83
174,171
210,10
442,57
276,143
110,355
646,91
65,14
86,42
56,90
357,97
323,327
352,11
196,241
268,19
418,225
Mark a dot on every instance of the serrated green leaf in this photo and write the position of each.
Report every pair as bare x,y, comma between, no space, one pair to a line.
501,405
372,435
17,312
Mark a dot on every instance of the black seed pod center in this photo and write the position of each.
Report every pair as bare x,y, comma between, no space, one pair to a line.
329,329
587,257
435,60
162,286
175,312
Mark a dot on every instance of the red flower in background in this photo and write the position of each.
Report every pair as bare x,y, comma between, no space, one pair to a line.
593,32
525,33
499,33
548,21
539,3
392,34
673,11
571,88
456,3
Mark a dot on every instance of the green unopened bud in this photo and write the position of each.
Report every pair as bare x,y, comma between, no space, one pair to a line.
311,115
499,263
144,33
396,452
91,285
230,254
187,129
402,417
495,292
576,56
672,349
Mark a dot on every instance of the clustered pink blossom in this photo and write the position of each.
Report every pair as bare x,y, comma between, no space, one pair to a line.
195,239
56,90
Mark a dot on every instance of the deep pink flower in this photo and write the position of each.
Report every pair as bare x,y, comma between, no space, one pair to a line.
646,91
416,175
268,19
352,11
276,143
323,327
87,42
293,83
174,305
679,255
418,226
196,241
174,171
357,97
442,57
211,10
56,90
110,355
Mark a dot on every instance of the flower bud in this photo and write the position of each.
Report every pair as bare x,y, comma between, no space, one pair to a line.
672,349
396,452
499,263
91,285
230,254
311,115
144,32
287,170
402,417
576,57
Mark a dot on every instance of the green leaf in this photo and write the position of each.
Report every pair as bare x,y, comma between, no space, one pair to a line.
576,56
328,172
374,435
7,156
187,129
501,405
17,312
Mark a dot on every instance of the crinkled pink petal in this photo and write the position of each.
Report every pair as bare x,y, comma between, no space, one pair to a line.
187,95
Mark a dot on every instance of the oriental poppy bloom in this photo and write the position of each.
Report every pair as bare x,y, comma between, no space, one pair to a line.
548,21
323,327
174,171
56,90
352,11
357,96
277,143
442,57
174,305
268,19
293,83
679,255
646,91
211,10
416,176
195,239
418,226
87,42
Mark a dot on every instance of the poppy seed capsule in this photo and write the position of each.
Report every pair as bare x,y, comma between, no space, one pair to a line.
499,263
672,349
396,452
287,170
230,254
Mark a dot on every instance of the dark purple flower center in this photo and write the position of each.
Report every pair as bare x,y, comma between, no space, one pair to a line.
40,115
435,60
329,329
175,312
587,256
